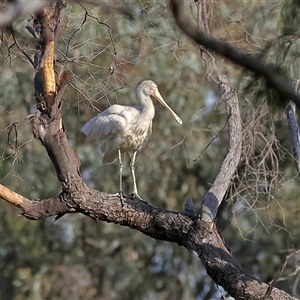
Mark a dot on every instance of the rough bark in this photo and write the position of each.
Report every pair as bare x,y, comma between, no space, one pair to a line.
48,125
201,237
186,228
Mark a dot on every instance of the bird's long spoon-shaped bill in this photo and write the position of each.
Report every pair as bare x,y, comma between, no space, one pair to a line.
162,101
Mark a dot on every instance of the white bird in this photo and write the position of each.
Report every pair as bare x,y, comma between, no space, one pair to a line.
123,129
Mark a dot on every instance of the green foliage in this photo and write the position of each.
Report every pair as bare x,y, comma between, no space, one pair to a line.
282,54
290,17
107,56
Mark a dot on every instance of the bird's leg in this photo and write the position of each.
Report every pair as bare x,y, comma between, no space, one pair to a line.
120,172
132,167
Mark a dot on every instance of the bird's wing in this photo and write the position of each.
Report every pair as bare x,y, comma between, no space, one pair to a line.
110,122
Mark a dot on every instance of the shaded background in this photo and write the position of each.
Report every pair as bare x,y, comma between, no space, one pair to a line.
75,258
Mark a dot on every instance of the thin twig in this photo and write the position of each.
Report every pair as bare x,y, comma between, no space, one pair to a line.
19,47
209,143
278,275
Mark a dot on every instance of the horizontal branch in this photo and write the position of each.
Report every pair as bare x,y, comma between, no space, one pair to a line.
12,197
196,235
34,209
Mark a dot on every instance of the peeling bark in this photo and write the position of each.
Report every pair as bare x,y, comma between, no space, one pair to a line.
48,127
34,209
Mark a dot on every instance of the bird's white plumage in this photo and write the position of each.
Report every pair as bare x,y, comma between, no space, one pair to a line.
126,128
119,127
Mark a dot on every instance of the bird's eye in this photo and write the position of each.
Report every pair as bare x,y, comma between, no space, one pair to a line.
152,89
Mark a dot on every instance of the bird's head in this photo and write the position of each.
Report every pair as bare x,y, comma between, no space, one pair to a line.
149,88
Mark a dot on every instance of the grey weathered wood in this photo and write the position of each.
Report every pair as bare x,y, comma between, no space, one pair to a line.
216,193
294,127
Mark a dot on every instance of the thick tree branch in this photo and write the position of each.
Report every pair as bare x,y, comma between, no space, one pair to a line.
48,24
215,195
196,235
34,209
273,77
48,125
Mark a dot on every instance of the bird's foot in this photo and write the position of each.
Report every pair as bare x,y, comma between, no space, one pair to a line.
121,196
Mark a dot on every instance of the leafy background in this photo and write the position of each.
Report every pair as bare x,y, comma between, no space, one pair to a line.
108,55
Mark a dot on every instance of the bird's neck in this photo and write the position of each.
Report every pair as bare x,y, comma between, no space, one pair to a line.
147,107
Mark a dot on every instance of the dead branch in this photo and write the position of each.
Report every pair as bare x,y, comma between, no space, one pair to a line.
215,195
278,275
34,209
